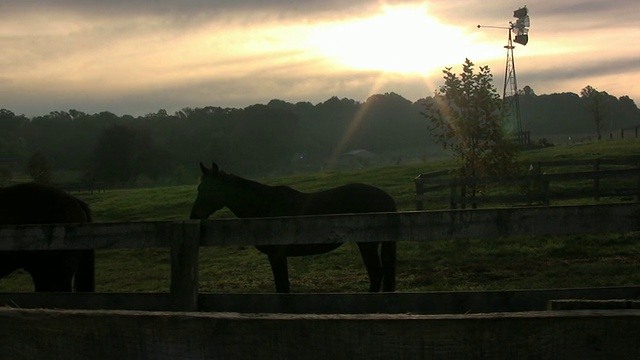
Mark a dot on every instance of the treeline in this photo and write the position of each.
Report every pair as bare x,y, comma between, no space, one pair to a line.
258,140
570,114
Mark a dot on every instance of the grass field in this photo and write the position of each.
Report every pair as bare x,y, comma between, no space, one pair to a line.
504,263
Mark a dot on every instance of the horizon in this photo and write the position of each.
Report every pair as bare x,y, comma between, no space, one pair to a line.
172,113
136,57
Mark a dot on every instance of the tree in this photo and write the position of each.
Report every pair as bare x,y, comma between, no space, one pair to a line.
39,169
5,176
466,118
262,140
527,91
125,152
596,106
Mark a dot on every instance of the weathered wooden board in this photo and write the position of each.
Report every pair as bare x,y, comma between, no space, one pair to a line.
56,334
402,226
426,225
92,235
436,302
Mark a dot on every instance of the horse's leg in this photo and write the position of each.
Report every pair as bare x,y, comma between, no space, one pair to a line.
50,280
84,279
388,260
280,272
369,252
9,262
52,270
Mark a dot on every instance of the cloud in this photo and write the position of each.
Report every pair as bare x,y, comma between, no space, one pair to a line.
193,10
137,56
607,67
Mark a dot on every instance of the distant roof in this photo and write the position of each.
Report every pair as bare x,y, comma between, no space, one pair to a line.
360,152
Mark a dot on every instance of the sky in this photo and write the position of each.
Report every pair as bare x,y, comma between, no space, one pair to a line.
139,56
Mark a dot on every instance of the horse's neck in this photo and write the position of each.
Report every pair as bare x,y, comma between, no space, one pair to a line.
248,198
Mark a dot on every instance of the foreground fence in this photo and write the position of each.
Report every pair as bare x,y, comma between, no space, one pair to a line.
319,326
46,334
186,237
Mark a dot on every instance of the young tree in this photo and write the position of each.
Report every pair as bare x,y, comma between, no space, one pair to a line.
596,106
466,117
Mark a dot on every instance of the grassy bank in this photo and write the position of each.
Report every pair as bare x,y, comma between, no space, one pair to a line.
578,261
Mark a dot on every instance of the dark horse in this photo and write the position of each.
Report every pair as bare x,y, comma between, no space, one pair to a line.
51,270
246,199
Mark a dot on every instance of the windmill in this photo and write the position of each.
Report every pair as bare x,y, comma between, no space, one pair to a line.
510,101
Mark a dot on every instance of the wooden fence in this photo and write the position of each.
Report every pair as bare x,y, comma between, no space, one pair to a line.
630,131
536,187
356,326
550,335
184,238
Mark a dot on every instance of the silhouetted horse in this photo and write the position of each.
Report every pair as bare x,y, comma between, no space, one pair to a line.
246,198
51,270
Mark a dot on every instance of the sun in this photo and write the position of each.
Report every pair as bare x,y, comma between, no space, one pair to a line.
400,39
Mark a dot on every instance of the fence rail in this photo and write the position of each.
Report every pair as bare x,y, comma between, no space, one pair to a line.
534,187
184,238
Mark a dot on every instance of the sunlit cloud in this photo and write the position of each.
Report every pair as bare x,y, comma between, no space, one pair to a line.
138,56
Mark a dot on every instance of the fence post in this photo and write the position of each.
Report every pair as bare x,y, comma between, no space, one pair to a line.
419,192
596,180
184,265
545,185
540,185
453,195
638,196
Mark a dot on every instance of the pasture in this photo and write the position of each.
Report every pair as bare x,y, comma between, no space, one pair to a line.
496,264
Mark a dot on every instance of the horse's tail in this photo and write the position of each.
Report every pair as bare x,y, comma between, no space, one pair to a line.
388,259
85,277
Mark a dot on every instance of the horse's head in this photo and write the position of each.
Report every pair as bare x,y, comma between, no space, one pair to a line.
210,193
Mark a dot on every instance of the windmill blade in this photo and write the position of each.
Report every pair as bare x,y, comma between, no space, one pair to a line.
520,28
520,13
524,23
521,39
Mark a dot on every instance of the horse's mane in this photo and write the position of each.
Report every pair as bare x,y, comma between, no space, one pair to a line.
252,185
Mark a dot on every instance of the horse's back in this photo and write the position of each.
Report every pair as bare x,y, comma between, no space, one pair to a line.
347,199
31,203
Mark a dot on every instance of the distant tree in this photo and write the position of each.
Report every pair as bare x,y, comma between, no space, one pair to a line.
527,91
123,153
626,109
13,145
6,175
387,122
628,103
75,114
262,140
466,117
162,113
595,104
39,169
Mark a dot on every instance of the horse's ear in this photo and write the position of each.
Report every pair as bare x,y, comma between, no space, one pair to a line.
214,168
203,168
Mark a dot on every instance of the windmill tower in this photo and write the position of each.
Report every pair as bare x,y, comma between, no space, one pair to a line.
510,100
